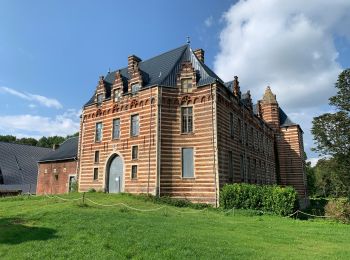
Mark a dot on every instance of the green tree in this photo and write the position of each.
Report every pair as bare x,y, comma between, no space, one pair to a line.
332,137
48,142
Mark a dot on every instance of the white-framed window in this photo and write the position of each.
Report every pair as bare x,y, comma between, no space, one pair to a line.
116,128
117,95
187,163
99,99
98,134
186,85
187,120
135,125
134,152
135,88
134,172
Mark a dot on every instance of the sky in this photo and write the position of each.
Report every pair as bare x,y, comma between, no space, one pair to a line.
53,52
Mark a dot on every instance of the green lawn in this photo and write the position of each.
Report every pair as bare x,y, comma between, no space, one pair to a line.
43,228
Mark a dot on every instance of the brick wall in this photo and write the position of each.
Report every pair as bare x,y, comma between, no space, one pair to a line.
53,178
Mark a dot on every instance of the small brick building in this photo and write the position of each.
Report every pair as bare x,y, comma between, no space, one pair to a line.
57,172
170,126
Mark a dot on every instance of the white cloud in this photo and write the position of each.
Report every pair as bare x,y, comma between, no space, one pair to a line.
209,21
45,101
289,46
34,126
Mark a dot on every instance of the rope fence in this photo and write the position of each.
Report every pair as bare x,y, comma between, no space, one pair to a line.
84,200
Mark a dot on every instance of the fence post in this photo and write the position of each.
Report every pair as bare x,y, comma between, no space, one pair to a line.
84,198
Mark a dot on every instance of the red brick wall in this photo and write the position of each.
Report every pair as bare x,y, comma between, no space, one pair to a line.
47,182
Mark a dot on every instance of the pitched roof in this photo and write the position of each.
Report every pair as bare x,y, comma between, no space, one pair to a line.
18,163
284,119
162,70
68,150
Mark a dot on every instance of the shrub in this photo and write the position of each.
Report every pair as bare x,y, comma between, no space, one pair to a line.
276,199
338,209
91,190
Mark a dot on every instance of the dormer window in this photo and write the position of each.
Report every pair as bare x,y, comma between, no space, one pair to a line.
135,87
186,85
99,99
117,95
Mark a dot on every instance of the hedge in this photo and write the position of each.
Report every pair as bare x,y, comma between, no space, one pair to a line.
272,198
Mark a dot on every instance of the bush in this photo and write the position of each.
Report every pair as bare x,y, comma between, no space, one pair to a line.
276,199
338,209
180,203
91,190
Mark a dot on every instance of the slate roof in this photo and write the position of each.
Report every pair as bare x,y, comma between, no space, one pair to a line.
68,150
18,164
284,119
162,70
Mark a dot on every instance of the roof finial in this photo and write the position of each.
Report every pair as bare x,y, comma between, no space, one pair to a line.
188,40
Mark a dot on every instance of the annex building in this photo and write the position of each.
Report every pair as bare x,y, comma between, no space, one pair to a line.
170,126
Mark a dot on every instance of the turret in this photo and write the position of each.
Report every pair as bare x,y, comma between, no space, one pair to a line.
269,109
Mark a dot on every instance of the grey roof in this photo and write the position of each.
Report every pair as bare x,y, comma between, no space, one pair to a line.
284,119
162,70
68,150
18,163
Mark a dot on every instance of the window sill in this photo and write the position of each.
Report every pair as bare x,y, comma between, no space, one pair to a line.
188,178
190,133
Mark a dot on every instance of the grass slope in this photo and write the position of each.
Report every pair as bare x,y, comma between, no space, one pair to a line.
43,228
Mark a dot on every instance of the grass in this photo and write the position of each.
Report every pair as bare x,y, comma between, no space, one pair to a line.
43,228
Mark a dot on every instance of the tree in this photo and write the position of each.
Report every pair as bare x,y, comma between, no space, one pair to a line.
332,130
332,137
48,142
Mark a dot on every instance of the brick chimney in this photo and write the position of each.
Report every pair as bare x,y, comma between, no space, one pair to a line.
236,88
199,54
133,61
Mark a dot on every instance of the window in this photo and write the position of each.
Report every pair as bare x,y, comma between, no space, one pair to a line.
97,156
117,95
251,136
135,88
186,114
54,171
133,171
45,171
240,129
231,125
248,171
187,163
230,166
98,136
95,174
99,99
255,172
56,177
135,125
246,133
1,178
134,152
116,128
186,85
242,167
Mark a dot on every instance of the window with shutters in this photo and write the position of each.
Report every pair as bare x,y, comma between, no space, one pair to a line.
186,85
116,128
98,134
135,125
187,120
187,163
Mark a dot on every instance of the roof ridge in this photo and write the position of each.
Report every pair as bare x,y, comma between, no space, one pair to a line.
27,145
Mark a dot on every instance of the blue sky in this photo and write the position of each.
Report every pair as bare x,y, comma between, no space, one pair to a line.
52,52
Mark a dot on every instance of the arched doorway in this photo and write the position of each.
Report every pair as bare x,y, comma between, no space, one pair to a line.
115,175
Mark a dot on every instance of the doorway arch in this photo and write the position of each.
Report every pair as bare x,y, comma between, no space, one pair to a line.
115,174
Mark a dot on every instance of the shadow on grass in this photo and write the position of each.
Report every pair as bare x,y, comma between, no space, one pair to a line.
14,231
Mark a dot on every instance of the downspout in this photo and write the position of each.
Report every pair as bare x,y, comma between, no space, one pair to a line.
159,137
215,150
79,155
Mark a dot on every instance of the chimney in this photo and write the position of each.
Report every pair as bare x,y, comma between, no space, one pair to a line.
55,147
133,61
236,89
199,54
